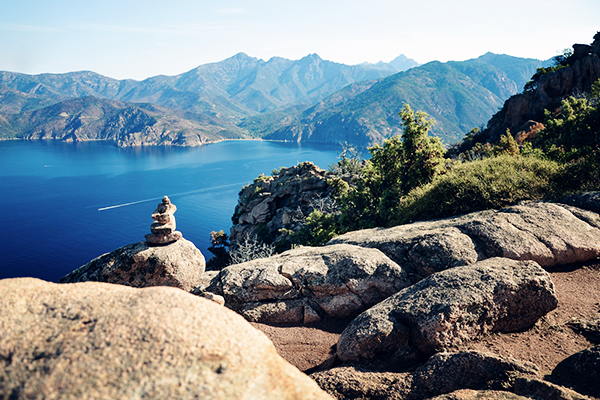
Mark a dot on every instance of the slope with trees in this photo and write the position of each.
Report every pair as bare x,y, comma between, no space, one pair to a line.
459,95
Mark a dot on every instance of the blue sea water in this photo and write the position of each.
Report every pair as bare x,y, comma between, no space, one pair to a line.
64,204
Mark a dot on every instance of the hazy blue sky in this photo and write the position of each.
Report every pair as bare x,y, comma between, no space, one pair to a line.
137,39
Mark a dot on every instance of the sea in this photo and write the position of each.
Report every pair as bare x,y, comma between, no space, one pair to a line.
64,204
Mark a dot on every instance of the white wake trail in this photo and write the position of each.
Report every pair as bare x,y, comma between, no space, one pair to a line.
173,195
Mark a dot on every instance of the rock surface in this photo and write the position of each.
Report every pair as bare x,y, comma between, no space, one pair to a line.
442,373
100,341
447,372
588,327
449,308
179,264
355,382
543,232
581,371
468,394
587,201
305,284
540,389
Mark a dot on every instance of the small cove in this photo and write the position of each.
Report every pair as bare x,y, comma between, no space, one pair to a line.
67,203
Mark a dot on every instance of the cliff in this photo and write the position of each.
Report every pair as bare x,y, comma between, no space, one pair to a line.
520,110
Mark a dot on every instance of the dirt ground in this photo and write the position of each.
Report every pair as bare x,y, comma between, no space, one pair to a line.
547,343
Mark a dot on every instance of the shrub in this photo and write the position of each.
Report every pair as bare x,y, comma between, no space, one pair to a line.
571,132
489,183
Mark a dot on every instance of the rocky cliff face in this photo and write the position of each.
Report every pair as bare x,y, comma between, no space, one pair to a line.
280,201
551,88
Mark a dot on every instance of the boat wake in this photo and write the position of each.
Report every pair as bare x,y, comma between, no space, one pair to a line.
172,196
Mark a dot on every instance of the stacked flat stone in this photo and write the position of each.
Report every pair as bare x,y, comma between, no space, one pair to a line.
163,227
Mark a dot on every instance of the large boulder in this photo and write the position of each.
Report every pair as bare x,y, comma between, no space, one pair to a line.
442,373
543,232
179,264
449,308
587,201
448,372
421,248
581,371
356,382
535,388
305,284
547,233
100,341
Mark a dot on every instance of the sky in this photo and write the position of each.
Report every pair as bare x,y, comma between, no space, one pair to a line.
138,39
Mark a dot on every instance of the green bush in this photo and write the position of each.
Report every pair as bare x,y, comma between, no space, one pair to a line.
489,183
571,132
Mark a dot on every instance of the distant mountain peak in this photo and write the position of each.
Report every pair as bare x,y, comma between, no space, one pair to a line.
403,63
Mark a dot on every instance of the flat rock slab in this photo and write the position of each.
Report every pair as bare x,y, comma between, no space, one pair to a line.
179,264
95,340
449,308
305,284
547,233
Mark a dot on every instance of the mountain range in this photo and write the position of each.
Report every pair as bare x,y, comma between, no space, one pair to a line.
242,97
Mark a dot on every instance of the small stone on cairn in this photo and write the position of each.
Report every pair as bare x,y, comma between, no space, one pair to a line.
163,227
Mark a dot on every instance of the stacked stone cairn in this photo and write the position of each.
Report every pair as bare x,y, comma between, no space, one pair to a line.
163,227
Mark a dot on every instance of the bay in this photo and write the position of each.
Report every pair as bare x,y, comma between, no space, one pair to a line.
64,204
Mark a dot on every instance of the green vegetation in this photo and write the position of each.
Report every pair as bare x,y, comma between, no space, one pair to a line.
493,182
408,179
573,131
399,165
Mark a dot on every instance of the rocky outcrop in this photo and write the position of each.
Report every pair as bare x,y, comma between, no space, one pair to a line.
280,201
179,264
547,233
572,80
449,308
99,341
581,371
303,285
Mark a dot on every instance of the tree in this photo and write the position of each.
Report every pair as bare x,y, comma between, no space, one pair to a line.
401,164
423,154
507,145
572,131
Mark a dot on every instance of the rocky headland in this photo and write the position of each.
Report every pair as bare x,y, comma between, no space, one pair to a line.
273,205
